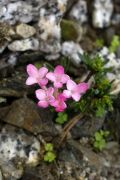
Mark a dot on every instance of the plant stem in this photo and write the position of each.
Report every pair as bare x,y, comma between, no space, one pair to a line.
88,77
69,126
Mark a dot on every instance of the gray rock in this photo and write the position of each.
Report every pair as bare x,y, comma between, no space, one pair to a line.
17,150
13,86
87,127
112,61
25,114
25,30
16,11
72,50
102,13
23,45
79,12
1,177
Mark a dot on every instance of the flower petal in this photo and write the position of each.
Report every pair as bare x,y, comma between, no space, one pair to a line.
50,91
43,104
32,70
67,93
61,108
71,85
30,81
65,78
43,82
83,87
42,72
58,84
51,76
40,94
76,96
59,70
54,103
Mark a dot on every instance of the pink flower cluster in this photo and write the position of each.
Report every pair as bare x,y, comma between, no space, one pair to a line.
56,94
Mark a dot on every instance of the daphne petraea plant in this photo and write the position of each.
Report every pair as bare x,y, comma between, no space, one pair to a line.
52,90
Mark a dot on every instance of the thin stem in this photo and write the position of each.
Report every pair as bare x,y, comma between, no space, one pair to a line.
88,77
69,126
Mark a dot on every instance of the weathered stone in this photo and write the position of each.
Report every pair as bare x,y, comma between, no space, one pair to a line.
112,61
24,113
113,120
71,31
72,51
25,30
102,13
1,177
23,45
40,172
87,127
17,150
79,12
14,86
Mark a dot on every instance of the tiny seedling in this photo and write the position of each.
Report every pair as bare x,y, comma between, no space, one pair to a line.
99,140
49,155
62,117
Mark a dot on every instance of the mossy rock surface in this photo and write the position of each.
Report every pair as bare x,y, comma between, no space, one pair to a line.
70,30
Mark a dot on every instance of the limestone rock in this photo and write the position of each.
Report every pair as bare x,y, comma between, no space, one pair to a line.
112,61
17,149
72,51
23,45
25,30
79,12
102,13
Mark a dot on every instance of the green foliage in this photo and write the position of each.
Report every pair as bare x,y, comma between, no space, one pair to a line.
97,100
94,64
99,140
61,118
115,43
99,43
49,147
49,155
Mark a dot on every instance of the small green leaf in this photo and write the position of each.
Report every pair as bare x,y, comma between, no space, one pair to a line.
98,136
49,147
49,157
102,144
99,43
115,43
62,118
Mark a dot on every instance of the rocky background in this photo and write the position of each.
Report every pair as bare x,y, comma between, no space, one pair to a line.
44,32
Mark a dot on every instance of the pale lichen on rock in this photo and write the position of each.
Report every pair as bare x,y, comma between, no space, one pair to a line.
18,149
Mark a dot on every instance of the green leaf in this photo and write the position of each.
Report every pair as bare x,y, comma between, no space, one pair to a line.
62,118
98,136
99,43
102,144
115,43
96,144
48,147
49,157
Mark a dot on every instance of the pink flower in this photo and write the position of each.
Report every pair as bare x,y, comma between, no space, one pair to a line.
58,77
36,76
75,90
45,97
59,103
